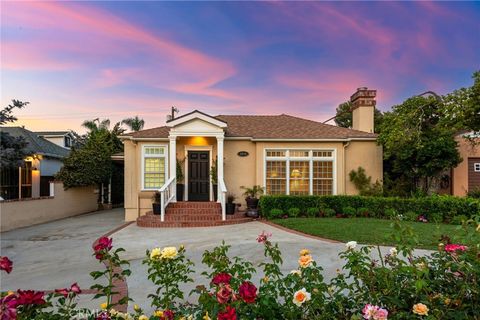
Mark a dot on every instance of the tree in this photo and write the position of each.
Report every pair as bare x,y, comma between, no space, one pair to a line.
344,116
135,124
90,163
417,145
11,148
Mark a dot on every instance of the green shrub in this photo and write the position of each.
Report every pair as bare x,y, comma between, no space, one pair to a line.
293,212
328,212
312,212
349,212
459,219
435,217
411,216
276,213
444,206
363,212
391,213
475,193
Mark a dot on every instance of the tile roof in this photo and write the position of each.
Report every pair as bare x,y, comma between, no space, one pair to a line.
270,127
36,144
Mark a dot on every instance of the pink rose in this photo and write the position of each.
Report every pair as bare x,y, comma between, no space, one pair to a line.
224,294
381,314
8,307
263,237
64,292
455,247
75,288
6,264
228,314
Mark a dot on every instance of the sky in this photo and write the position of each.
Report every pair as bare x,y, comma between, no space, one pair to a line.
75,61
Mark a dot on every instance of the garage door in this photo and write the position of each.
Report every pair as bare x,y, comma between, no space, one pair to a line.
473,173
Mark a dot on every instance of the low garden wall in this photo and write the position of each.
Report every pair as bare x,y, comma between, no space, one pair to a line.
65,203
434,208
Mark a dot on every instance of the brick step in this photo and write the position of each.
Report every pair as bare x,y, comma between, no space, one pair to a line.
189,217
194,205
170,224
174,211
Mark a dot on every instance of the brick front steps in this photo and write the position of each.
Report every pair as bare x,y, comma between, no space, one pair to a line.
191,214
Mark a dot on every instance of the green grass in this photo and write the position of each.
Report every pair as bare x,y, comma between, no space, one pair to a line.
371,231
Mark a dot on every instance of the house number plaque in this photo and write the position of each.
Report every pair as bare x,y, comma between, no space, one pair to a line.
242,153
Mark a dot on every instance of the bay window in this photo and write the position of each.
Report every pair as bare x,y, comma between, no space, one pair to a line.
153,167
299,172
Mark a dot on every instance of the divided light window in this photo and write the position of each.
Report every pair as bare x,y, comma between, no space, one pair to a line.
153,167
299,172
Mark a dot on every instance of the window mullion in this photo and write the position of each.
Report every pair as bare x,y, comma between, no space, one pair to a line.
287,176
310,173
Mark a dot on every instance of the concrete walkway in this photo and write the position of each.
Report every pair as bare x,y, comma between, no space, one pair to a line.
56,254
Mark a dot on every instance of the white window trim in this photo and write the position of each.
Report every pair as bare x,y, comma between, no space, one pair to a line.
165,155
476,167
310,159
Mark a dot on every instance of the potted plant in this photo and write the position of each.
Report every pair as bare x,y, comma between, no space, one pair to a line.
180,180
230,206
156,203
214,179
251,196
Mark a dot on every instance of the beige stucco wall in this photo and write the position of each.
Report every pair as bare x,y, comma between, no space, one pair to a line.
65,203
365,154
248,171
460,173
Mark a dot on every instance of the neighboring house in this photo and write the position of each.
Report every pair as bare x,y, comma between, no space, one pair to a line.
466,176
282,153
60,138
31,180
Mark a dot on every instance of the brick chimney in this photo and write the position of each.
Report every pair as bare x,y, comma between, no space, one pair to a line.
363,108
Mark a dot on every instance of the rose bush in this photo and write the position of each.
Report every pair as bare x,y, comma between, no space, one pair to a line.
444,284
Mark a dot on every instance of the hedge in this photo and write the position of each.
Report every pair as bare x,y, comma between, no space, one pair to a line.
435,208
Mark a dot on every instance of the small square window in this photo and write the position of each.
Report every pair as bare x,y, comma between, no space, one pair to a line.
476,167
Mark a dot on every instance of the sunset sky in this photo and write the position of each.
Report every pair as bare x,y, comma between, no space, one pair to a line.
82,60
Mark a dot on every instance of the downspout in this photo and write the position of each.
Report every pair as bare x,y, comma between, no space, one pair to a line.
345,146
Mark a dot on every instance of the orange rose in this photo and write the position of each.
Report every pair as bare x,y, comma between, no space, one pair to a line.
420,309
305,261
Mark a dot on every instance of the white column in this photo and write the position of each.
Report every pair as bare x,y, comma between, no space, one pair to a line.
173,162
219,163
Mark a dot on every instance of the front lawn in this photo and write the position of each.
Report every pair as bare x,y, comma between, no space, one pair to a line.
371,231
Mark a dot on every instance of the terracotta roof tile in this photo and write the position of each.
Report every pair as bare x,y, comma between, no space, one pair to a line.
270,127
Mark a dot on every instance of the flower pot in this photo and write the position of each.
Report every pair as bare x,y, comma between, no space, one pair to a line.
180,191
230,208
156,208
215,192
252,203
252,213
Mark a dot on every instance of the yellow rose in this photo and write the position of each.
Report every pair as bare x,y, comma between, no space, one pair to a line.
158,313
143,317
169,253
103,306
206,317
155,253
420,309
305,261
265,279
136,307
447,301
9,293
304,252
300,297
113,312
478,228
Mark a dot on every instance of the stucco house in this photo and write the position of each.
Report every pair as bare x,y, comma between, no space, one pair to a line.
60,138
466,176
284,154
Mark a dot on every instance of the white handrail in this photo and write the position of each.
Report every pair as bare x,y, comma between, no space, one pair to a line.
223,197
167,194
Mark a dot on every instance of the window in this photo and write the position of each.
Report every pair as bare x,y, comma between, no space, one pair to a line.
67,142
276,177
476,167
299,172
154,167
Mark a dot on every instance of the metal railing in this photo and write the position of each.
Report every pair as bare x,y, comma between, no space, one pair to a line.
222,195
167,194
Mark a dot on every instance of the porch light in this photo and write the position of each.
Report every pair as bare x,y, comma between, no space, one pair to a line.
198,141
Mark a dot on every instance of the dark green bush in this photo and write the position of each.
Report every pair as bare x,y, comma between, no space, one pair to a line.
391,213
459,219
349,212
293,212
411,216
438,206
329,212
275,213
313,212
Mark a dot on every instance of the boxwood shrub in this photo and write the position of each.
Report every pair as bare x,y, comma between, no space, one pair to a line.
443,208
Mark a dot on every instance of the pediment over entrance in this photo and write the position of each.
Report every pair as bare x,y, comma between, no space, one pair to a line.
196,122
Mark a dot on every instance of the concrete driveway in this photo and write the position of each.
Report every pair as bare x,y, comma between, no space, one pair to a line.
55,254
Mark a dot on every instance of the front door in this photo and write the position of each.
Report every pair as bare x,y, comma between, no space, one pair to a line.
198,176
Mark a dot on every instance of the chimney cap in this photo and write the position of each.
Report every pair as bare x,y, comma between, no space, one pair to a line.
363,92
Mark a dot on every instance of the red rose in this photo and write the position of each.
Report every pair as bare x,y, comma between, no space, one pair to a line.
168,315
228,314
248,292
8,307
455,247
6,264
222,278
103,316
75,288
103,244
30,297
224,293
64,292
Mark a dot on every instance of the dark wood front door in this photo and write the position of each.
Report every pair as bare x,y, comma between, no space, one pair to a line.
198,176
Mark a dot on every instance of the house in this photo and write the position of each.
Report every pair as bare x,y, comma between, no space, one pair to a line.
283,153
31,180
466,176
60,138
